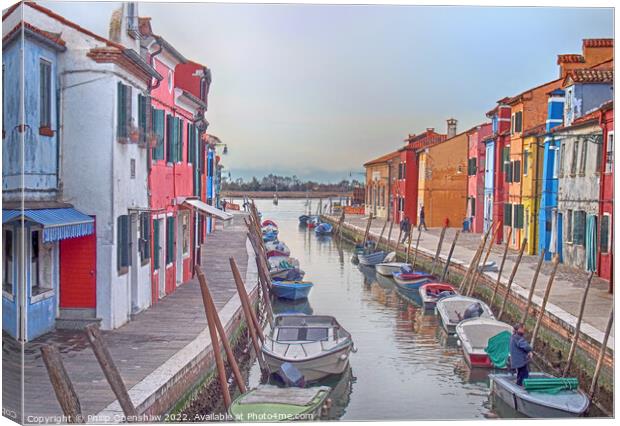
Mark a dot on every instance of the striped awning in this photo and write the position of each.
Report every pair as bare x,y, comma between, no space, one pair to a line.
58,224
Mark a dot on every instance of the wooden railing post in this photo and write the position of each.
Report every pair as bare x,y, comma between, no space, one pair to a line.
582,308
543,306
63,388
512,277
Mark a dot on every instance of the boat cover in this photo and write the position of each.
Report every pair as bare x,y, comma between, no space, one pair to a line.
498,348
550,385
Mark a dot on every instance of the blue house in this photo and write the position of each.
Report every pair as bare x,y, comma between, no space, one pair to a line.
550,223
32,213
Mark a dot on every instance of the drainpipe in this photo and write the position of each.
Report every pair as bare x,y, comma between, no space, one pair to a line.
536,200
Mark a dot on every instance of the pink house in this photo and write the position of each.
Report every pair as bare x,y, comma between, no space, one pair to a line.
475,175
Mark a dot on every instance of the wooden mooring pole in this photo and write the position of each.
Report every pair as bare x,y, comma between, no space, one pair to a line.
367,230
438,252
214,322
601,354
408,248
543,306
63,388
381,234
245,300
444,274
110,371
417,246
478,271
389,240
512,277
465,281
501,268
582,308
533,287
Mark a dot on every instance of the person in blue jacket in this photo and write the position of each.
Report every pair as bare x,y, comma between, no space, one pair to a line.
520,353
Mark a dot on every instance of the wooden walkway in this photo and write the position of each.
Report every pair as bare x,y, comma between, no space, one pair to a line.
138,348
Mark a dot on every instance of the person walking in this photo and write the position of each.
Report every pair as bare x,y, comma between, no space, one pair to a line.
520,353
422,221
405,227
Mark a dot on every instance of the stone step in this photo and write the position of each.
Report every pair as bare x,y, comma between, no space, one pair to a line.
76,319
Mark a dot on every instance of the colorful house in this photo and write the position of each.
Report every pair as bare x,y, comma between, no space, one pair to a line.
476,161
97,160
406,190
533,150
442,181
379,182
606,196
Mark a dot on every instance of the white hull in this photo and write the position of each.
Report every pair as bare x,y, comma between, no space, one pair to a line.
447,306
386,269
317,368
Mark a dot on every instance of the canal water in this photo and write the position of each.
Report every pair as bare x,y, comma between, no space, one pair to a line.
405,367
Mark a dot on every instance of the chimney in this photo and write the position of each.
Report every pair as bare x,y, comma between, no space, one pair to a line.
451,127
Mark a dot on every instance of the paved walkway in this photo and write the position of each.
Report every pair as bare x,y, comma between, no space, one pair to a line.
138,348
567,290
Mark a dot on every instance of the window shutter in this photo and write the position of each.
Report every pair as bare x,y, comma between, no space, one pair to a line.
579,221
128,103
142,116
170,240
516,173
169,138
180,126
120,107
156,247
161,133
507,214
604,244
122,244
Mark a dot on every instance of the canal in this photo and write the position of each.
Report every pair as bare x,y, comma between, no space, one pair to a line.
405,367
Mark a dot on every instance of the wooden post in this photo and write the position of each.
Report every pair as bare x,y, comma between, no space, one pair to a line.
543,306
63,388
110,371
601,354
213,319
408,248
417,246
501,269
512,277
381,235
533,287
465,280
447,265
264,283
477,270
245,299
582,308
367,230
390,234
438,252
397,242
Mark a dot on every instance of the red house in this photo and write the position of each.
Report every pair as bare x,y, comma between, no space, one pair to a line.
405,191
606,197
176,165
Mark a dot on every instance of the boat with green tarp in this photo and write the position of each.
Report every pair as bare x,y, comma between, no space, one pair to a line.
269,403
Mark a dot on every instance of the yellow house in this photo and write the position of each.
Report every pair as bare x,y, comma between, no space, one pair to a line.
531,184
379,178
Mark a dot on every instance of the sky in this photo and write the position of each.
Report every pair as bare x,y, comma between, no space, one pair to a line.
317,90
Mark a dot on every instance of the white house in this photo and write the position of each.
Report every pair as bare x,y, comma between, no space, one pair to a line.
103,100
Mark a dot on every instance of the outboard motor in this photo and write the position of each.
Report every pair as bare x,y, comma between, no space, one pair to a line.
289,375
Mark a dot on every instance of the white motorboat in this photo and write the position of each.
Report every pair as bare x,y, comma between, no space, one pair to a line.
474,335
316,345
451,310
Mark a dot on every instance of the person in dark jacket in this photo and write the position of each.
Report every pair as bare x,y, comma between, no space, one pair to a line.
405,227
422,219
520,353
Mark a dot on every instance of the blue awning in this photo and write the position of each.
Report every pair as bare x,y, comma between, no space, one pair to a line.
58,224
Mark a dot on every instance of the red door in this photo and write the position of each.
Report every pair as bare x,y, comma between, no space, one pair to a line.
78,273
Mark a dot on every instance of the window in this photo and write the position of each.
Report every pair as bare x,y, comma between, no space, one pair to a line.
175,139
573,163
526,160
169,240
512,124
507,214
560,161
7,264
569,226
156,243
579,227
143,111
518,216
191,143
518,122
516,171
123,113
144,245
180,127
506,163
170,81
605,227
40,264
132,168
583,158
158,126
123,258
609,153
45,94
509,171
473,206
185,226
471,166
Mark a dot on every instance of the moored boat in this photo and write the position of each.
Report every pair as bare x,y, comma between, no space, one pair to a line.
282,274
317,345
474,335
536,404
451,310
372,258
323,229
291,290
303,219
269,403
278,246
431,292
387,268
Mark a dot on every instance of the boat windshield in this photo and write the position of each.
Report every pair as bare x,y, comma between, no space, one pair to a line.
293,334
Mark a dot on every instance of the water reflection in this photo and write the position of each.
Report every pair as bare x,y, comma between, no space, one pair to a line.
405,368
